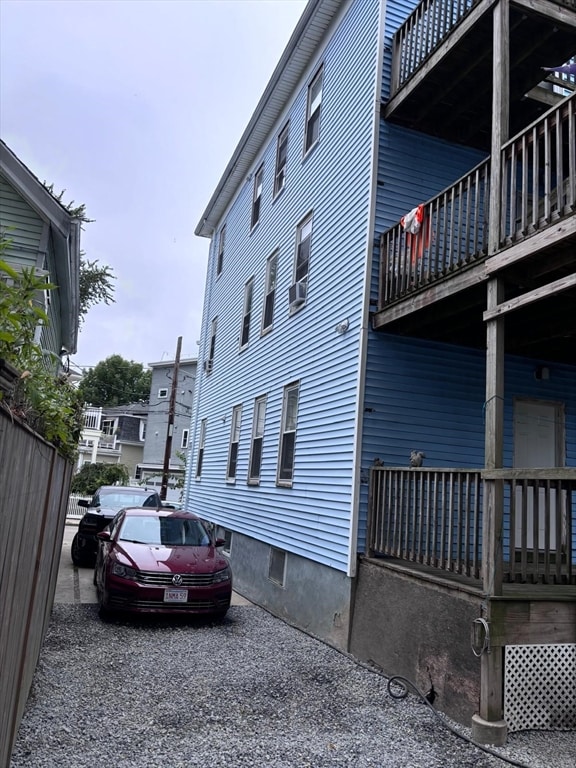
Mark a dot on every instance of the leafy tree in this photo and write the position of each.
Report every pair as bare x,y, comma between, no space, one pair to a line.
96,286
116,381
91,476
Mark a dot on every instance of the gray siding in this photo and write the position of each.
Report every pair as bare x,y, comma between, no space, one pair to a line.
334,181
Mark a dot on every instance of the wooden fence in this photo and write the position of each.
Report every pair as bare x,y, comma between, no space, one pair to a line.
34,483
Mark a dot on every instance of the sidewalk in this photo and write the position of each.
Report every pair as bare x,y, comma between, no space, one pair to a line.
74,585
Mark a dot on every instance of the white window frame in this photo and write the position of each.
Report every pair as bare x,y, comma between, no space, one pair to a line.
234,447
281,160
184,439
142,429
246,313
269,292
257,440
284,473
221,246
162,393
108,426
257,197
201,445
313,111
303,244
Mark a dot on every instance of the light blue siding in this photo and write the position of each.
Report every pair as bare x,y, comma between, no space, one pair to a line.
333,181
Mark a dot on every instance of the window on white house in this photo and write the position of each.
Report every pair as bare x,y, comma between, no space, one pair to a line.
108,426
303,239
184,441
281,156
209,362
248,293
257,196
257,440
142,429
221,245
162,393
269,292
234,443
288,434
313,111
201,441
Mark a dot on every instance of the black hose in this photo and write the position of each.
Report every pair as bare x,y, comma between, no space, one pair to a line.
403,683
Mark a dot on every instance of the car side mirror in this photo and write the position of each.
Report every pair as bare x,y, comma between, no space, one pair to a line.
219,542
103,535
83,503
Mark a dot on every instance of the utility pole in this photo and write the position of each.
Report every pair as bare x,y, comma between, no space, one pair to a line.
170,430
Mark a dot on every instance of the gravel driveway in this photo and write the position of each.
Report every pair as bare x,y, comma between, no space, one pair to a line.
250,691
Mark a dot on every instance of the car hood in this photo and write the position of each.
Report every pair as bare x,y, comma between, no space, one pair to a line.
154,557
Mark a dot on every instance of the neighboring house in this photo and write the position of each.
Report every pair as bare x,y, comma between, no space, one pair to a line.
114,435
167,431
385,414
43,236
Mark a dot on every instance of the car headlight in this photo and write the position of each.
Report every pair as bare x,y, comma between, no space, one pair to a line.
223,575
124,571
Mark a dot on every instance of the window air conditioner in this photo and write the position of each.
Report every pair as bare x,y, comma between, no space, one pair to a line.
208,366
297,294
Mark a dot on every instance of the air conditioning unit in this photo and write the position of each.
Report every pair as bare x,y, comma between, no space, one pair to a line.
208,366
297,294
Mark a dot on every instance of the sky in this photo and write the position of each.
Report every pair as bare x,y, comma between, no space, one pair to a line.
134,108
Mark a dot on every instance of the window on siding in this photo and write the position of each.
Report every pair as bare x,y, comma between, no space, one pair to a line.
248,293
303,238
142,429
162,393
257,196
209,362
257,440
184,441
269,292
281,155
234,443
288,434
201,441
313,111
108,426
221,246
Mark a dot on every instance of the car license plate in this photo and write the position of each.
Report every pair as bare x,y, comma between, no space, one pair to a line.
175,595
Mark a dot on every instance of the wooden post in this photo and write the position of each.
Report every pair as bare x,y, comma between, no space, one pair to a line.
492,663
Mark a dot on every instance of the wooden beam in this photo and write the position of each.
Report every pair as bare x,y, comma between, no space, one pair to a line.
561,13
545,473
529,298
545,238
440,290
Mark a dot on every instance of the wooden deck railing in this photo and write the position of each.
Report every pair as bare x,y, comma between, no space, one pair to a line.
427,516
425,28
434,517
539,529
453,234
539,173
538,189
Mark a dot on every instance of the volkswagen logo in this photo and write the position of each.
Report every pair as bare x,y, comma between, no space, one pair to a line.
177,580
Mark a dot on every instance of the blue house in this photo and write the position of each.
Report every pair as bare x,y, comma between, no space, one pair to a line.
385,410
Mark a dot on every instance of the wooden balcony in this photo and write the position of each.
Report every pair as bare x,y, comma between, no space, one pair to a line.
433,518
442,65
432,284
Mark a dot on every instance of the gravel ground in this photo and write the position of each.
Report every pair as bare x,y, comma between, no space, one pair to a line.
249,691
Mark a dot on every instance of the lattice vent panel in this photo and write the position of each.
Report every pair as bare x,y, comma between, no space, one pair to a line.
540,687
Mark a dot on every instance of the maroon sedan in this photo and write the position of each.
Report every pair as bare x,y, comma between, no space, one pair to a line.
161,561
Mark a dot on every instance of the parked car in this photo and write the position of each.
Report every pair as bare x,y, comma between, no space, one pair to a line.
161,561
105,503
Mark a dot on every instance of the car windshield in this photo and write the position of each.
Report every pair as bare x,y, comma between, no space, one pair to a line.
166,531
117,500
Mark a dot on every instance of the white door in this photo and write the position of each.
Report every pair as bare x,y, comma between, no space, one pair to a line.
537,430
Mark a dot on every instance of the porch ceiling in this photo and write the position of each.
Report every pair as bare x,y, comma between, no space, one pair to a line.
450,96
